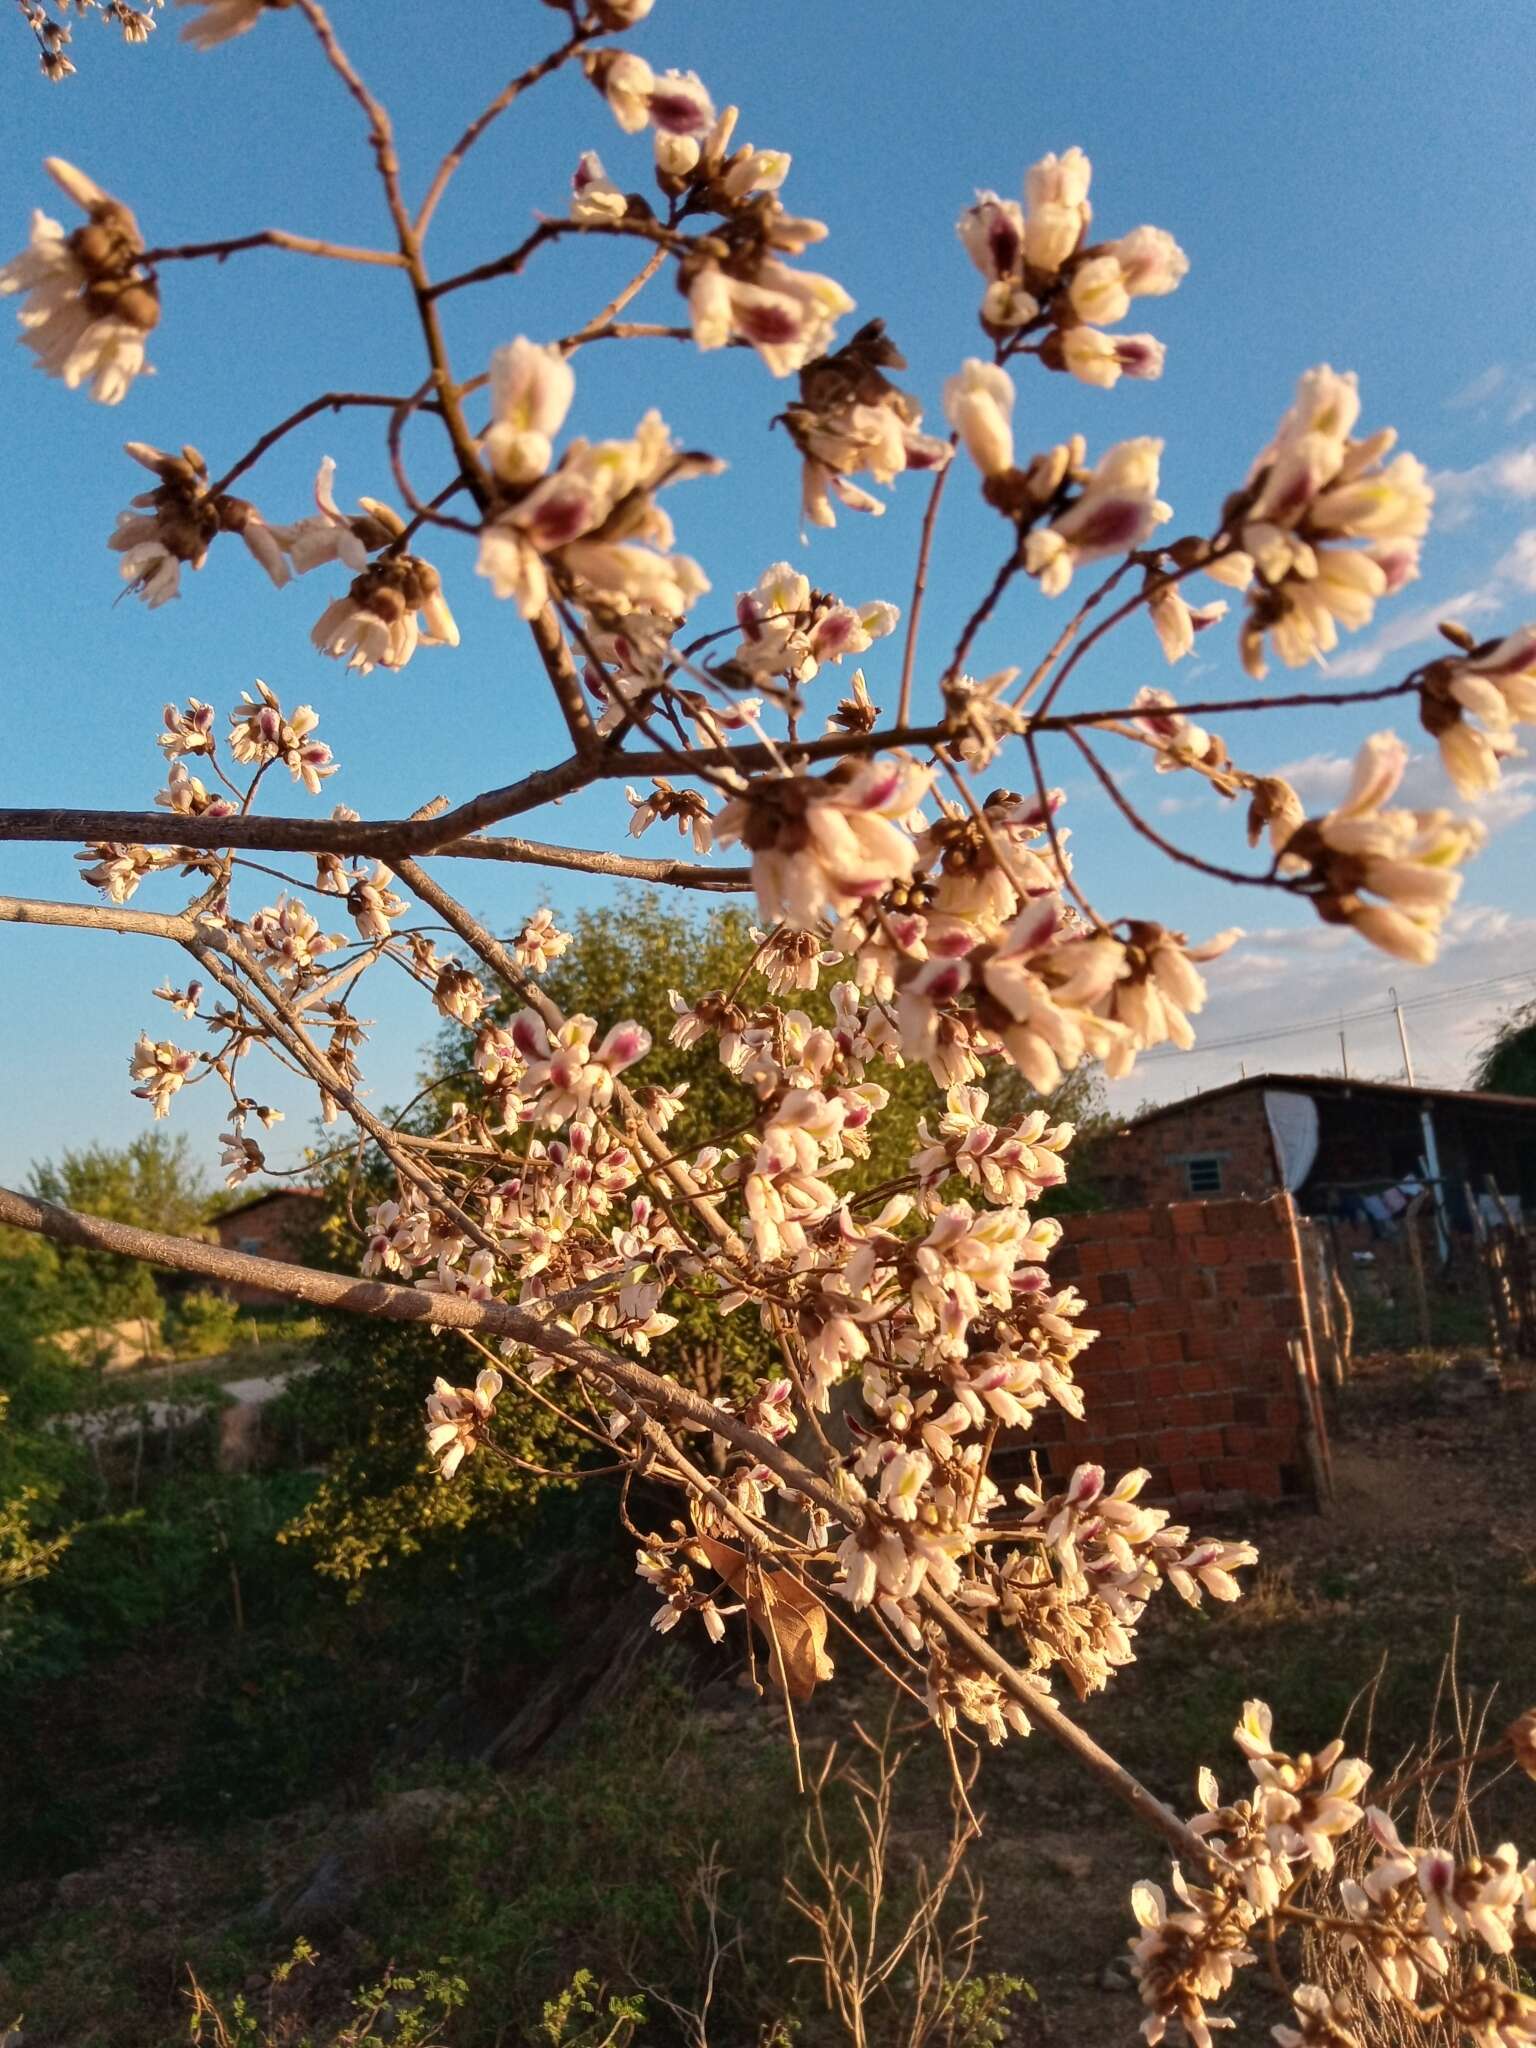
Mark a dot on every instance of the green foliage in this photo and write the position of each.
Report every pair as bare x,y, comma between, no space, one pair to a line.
983,2009
200,1324
581,2016
25,1554
1506,1065
380,1499
402,2011
153,1182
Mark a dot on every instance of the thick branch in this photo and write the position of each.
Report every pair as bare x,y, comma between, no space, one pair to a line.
380,839
98,917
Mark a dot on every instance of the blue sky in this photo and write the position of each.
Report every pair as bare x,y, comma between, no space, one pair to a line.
1352,185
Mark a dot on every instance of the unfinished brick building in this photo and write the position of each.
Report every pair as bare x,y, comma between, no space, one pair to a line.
1204,1370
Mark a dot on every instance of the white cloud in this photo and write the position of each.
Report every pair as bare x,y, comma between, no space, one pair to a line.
1276,1000
1411,629
1318,779
1511,473
1480,390
1518,564
1321,779
1500,389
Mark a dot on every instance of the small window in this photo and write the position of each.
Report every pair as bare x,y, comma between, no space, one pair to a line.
252,1244
1204,1176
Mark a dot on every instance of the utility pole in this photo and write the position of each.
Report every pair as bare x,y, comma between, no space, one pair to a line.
1402,1037
1343,1055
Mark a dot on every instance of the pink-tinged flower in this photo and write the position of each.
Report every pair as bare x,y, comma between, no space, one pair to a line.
594,196
678,104
540,942
788,316
288,938
1408,859
993,234
1312,491
260,733
159,1071
1176,621
456,1416
566,1078
87,306
531,393
1151,262
1117,508
827,843
1103,359
978,403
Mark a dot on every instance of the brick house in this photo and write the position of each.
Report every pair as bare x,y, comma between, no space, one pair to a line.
1204,1370
1331,1142
277,1223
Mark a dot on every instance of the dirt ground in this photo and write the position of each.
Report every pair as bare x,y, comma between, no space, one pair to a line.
1430,1537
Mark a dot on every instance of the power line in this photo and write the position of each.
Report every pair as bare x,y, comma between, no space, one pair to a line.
1336,1020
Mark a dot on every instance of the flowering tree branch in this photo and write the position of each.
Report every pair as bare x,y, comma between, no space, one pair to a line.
568,1211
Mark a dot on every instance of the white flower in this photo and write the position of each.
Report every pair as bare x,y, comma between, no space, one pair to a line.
832,842
159,1070
394,607
1056,194
1098,291
594,196
787,315
1117,509
531,393
978,403
87,307
1151,262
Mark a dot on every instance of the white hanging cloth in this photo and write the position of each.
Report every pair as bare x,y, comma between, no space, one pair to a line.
1293,1126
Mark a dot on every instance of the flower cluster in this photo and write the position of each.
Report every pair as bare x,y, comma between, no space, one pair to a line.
1311,493
1495,685
1417,1922
789,630
851,420
591,527
260,734
160,1070
1045,279
1392,875
88,304
172,527
456,1419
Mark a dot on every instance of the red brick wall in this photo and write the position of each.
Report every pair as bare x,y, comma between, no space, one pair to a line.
1191,1375
270,1230
1148,1163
